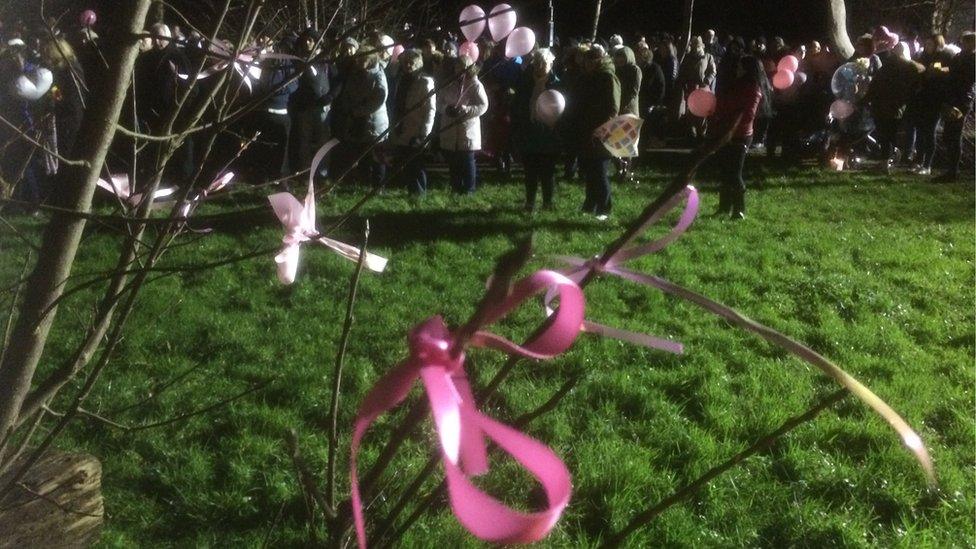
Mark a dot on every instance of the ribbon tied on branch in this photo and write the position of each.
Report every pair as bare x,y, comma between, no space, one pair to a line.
437,359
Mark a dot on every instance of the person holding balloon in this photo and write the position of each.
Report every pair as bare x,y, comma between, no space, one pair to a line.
697,70
735,112
536,109
461,104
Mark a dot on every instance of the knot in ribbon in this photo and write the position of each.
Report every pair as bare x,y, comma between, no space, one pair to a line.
611,265
436,358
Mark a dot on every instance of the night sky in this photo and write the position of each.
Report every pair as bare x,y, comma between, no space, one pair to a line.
793,19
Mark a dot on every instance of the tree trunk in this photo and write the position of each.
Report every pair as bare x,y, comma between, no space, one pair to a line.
837,35
686,24
596,18
64,230
58,504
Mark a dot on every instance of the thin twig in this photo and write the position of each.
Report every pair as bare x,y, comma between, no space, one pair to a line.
330,478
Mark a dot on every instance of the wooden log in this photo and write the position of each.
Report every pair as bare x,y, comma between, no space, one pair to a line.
57,504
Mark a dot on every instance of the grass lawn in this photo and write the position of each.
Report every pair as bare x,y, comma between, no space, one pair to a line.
874,272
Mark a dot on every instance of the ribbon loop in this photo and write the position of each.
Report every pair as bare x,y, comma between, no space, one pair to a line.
610,265
462,429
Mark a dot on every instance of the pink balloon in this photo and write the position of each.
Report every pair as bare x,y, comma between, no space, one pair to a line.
783,79
397,50
841,109
470,49
501,22
549,107
87,18
520,42
701,102
472,21
788,63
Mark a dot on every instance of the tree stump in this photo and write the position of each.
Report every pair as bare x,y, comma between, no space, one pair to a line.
57,504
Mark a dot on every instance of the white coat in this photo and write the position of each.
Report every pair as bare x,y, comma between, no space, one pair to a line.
417,123
464,132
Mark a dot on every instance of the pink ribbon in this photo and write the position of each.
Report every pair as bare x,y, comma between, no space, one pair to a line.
221,182
299,222
436,359
612,266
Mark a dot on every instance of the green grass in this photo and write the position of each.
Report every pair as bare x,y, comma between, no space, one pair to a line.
875,273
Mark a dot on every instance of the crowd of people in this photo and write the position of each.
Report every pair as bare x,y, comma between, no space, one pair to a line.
397,103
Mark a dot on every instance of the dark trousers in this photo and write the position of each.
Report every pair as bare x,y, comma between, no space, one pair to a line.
462,171
358,161
886,130
732,192
539,169
596,172
413,176
924,125
952,138
267,158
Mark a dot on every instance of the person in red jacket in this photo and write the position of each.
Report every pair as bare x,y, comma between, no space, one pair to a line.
735,112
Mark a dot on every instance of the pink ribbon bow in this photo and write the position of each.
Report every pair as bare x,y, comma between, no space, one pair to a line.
612,265
299,222
462,429
220,183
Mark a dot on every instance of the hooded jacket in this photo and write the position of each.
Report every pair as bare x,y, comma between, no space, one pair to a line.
597,101
629,76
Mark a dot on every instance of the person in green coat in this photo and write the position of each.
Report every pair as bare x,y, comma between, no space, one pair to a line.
596,103
537,143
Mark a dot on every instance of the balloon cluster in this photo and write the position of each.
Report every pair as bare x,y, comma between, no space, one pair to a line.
786,72
849,83
501,25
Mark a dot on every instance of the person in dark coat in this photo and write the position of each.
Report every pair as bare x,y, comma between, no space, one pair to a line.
651,94
960,92
536,143
737,104
925,108
597,104
268,156
892,87
359,118
309,105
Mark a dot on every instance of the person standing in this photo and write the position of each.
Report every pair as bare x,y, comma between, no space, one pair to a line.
893,85
599,102
735,112
536,142
697,70
925,107
414,106
629,75
360,120
461,104
310,104
962,78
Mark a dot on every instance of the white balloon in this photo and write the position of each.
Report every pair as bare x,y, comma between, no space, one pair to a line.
519,43
549,107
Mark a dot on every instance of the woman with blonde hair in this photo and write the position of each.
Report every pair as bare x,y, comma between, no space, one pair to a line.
461,105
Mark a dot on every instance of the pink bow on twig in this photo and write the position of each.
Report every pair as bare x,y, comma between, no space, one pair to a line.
612,264
299,222
120,186
436,359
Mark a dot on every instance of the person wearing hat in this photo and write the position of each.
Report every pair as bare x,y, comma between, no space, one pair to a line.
461,104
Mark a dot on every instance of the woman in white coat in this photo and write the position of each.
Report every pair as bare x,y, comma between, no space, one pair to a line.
413,119
461,105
